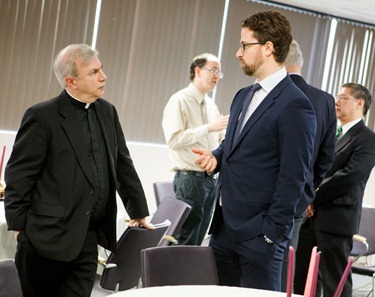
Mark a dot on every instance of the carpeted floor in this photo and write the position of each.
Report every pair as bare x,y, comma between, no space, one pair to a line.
362,292
362,285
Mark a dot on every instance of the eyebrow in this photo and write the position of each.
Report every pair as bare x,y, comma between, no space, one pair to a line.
96,69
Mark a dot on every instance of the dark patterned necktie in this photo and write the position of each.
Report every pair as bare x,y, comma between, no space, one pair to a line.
245,106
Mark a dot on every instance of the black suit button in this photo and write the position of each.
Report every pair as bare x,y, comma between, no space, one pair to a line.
91,192
87,212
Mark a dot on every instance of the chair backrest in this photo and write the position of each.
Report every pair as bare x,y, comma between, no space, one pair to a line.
344,276
176,211
127,256
312,275
9,280
290,273
178,265
163,189
366,230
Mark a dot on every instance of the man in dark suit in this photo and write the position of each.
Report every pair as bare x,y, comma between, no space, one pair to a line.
324,144
68,160
336,211
263,169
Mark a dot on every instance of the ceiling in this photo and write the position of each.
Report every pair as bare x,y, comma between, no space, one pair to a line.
358,10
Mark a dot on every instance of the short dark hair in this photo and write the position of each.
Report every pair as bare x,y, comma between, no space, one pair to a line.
271,26
360,92
200,61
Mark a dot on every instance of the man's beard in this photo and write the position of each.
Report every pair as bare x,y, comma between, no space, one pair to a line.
251,69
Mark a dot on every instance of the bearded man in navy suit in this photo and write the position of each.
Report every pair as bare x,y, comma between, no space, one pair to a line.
263,162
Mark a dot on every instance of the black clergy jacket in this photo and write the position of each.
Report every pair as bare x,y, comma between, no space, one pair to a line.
49,179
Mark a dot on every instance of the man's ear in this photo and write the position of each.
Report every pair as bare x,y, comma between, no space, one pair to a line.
197,71
70,82
269,49
360,103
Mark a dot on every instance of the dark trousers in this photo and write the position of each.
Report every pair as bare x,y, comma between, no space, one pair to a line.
41,277
334,248
252,263
199,193
298,220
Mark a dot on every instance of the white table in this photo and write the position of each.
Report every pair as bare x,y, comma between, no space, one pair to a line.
198,291
7,241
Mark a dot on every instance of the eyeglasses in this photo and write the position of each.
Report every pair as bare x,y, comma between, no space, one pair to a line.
343,98
244,45
214,71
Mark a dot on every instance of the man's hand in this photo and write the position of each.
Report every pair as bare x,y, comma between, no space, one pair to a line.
310,211
219,124
141,223
206,160
16,233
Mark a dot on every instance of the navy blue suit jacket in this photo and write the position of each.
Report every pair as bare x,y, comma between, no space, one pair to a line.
262,175
324,144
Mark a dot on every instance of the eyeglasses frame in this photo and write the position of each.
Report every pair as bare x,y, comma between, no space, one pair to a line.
214,71
244,45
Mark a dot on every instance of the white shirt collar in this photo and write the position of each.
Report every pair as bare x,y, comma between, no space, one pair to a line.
347,126
271,81
196,93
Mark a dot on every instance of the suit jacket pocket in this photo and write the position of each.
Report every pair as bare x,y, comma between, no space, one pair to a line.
346,200
46,209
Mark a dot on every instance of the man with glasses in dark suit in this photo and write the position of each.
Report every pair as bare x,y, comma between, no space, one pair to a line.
335,213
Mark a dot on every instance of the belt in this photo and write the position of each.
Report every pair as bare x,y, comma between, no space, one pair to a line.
201,174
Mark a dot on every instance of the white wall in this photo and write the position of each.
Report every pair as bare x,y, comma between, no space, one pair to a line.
152,164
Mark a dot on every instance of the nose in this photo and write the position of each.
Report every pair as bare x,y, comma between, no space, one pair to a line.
103,77
239,53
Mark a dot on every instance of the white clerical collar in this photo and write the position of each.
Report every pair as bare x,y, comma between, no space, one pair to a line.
87,104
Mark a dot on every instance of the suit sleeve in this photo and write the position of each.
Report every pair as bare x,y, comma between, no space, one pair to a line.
326,151
22,170
357,168
297,128
129,185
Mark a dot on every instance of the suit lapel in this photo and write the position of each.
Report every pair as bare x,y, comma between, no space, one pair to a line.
74,133
235,115
267,102
259,111
348,136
